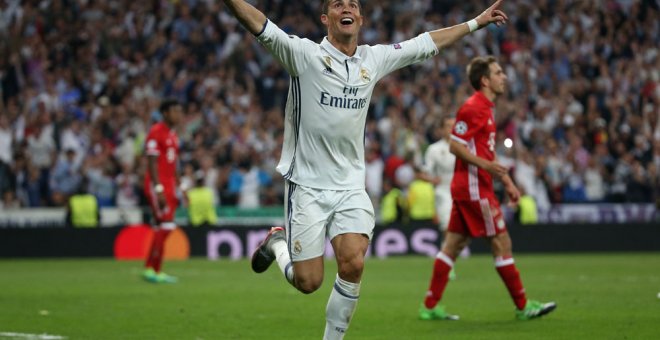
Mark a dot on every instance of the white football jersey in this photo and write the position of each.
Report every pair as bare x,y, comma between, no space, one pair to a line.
327,104
439,162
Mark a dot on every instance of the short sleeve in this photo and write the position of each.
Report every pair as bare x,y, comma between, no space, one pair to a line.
151,145
395,56
290,50
469,121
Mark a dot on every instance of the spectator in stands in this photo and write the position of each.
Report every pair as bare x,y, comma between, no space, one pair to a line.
638,187
246,182
405,173
102,184
33,188
126,183
594,185
9,200
65,179
212,176
41,148
6,152
74,137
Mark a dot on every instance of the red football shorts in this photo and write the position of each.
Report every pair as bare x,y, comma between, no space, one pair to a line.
481,218
162,214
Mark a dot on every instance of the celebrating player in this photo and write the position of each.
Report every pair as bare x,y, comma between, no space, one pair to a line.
476,211
323,150
162,150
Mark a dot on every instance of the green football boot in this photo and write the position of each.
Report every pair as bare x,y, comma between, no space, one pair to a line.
437,313
150,275
164,278
534,309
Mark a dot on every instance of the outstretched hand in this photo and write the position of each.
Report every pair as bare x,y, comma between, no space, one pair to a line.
492,15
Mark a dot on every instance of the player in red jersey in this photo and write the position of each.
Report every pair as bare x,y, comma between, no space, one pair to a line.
476,211
160,182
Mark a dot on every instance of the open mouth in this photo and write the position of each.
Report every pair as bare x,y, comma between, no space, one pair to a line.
346,21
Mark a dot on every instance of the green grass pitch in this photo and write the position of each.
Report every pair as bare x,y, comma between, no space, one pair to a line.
599,296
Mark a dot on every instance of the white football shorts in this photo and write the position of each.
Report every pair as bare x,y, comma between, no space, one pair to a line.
312,214
443,203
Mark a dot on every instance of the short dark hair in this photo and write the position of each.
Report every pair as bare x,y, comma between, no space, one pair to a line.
479,67
445,118
167,104
326,6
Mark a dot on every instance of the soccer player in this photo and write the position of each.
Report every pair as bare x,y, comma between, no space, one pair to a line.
323,156
439,165
160,181
476,211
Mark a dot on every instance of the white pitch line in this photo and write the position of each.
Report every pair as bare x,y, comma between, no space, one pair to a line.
43,336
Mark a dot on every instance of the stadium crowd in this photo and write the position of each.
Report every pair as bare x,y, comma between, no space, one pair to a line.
81,81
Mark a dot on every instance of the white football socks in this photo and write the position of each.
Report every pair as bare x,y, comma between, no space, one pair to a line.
341,306
283,259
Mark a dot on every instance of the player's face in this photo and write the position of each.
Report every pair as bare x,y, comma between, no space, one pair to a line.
343,18
496,79
446,128
174,115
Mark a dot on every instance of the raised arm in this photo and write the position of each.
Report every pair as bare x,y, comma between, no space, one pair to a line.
251,18
447,36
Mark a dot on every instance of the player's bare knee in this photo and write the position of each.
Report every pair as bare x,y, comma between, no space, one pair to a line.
501,245
307,288
351,269
463,244
309,283
453,248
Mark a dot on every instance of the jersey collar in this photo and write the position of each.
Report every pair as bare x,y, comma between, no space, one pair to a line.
337,54
482,98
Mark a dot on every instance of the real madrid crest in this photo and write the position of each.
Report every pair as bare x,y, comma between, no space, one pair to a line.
364,74
297,247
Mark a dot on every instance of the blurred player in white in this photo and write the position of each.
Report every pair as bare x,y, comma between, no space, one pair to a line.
439,165
323,156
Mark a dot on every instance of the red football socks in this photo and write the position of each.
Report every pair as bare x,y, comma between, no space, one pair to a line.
155,256
509,273
441,268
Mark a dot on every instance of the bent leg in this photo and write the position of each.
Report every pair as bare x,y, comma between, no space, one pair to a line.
304,275
307,275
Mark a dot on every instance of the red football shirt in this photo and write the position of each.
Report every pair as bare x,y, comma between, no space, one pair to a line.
163,143
474,128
